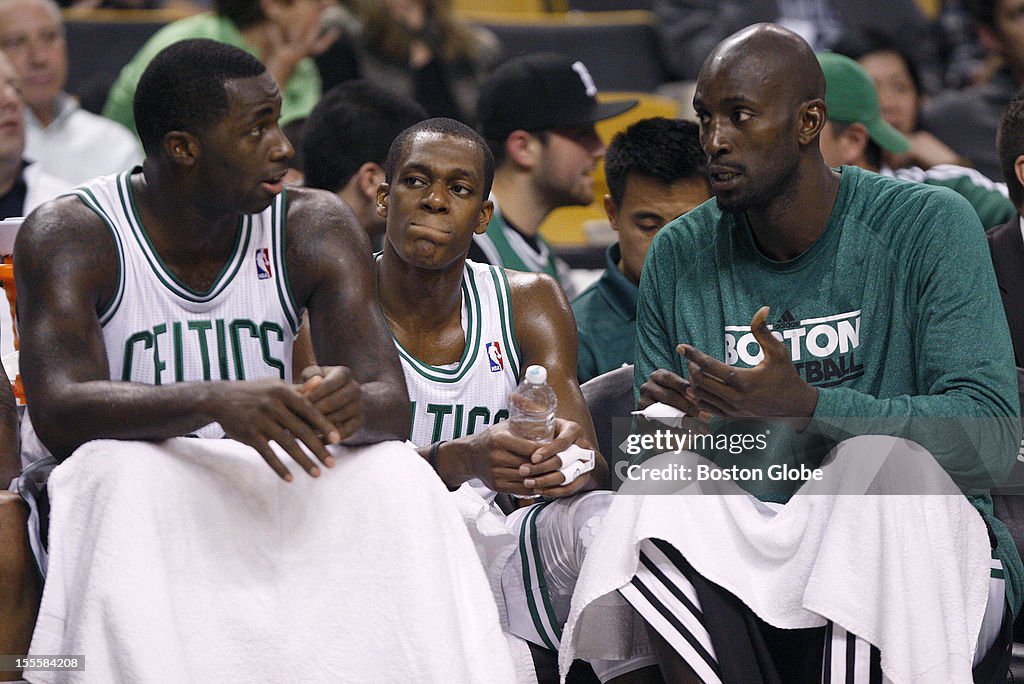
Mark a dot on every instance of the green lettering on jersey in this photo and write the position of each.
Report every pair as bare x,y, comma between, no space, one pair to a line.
158,363
143,336
412,423
179,371
481,413
500,416
222,349
266,328
201,328
439,411
236,343
457,430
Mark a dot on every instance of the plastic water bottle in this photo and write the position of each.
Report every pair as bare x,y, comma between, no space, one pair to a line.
531,406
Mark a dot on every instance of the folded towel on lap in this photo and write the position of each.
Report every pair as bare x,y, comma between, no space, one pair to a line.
190,560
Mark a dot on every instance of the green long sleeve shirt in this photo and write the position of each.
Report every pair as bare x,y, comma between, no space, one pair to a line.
298,96
893,314
606,320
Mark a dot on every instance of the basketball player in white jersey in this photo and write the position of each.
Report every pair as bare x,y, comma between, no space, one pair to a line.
465,332
163,302
206,294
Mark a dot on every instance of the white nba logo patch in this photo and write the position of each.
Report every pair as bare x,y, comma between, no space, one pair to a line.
494,357
263,263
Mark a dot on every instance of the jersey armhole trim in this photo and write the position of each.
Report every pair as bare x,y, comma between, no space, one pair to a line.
108,309
508,329
278,227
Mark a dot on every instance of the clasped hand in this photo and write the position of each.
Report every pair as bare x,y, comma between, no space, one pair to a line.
514,465
326,408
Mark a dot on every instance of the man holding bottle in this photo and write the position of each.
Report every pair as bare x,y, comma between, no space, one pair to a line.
465,332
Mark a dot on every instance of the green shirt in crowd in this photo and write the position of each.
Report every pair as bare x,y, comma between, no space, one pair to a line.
989,199
893,314
606,320
298,96
502,245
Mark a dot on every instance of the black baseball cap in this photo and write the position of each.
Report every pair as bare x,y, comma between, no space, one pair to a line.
541,91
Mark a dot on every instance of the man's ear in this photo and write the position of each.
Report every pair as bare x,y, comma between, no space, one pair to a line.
813,115
382,199
369,176
522,148
181,147
486,212
1018,168
612,211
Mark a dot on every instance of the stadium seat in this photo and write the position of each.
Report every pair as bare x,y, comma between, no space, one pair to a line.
509,6
609,398
619,48
609,5
101,41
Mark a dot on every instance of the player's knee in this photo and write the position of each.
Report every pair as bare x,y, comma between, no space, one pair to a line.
391,466
17,566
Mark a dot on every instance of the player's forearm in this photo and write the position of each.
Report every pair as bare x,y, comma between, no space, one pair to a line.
449,461
121,410
387,413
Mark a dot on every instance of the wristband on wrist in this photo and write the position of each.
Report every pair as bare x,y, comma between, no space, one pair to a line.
432,454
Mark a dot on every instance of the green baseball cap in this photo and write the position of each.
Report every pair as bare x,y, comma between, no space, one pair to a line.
851,98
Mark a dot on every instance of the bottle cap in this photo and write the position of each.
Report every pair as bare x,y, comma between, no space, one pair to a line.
536,375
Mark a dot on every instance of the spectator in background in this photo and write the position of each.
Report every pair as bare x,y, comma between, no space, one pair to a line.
967,120
418,48
901,97
537,113
691,28
283,34
64,139
23,185
346,141
1006,242
656,172
857,135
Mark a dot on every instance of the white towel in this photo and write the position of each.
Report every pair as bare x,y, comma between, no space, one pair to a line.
494,543
191,561
907,573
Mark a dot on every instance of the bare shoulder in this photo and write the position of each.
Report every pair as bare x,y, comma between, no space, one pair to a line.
541,314
66,238
531,291
324,245
320,216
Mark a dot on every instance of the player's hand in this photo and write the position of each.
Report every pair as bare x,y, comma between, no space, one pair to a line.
542,473
256,412
773,388
504,462
336,394
664,386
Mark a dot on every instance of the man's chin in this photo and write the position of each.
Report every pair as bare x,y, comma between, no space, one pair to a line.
731,205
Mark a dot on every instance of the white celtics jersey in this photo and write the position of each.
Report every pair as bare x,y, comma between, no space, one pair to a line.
158,331
465,397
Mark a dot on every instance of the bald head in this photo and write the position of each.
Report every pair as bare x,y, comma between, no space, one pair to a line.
780,59
760,99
